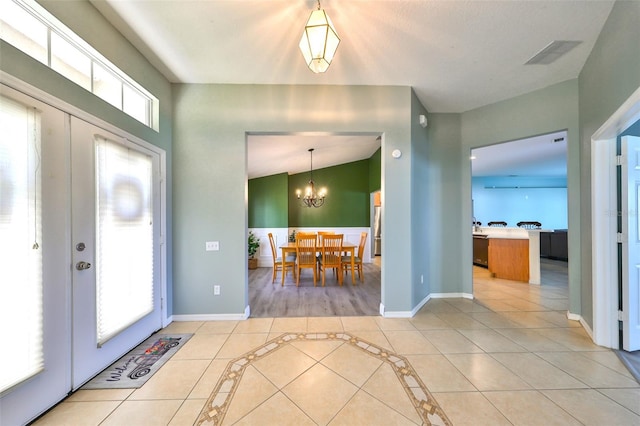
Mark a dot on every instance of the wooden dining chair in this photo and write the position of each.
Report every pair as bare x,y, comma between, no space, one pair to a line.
290,261
331,255
321,234
346,260
306,255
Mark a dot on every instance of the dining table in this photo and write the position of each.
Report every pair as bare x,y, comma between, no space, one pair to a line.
347,247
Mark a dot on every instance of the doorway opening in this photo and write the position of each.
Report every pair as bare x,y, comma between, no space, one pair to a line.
605,257
519,214
349,166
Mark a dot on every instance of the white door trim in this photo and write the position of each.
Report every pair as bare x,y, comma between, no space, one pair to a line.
604,253
45,97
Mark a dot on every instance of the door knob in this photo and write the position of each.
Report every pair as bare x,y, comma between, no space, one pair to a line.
81,266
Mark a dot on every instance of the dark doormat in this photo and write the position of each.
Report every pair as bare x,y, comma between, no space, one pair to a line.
631,360
136,367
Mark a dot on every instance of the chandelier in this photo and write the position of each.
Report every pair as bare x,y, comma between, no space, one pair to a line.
319,41
312,198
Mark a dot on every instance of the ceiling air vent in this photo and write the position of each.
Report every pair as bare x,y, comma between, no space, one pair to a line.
553,51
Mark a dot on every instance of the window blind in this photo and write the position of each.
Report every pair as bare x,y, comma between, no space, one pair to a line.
21,320
124,237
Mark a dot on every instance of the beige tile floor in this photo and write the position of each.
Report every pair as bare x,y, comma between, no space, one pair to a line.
510,357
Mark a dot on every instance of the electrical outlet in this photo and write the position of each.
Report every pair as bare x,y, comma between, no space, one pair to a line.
212,246
216,290
421,279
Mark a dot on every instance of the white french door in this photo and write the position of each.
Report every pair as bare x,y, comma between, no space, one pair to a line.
630,182
78,193
47,177
116,247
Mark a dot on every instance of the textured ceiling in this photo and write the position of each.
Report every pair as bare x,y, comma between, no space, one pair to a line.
457,55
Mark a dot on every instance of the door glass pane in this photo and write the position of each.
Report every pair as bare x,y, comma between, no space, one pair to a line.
20,251
124,237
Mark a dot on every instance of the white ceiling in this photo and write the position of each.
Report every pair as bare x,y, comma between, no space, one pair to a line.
544,155
272,154
457,55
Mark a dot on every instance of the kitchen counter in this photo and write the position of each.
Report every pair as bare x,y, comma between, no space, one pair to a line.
510,259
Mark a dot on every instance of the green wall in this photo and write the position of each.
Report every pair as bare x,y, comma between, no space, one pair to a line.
446,226
609,77
211,122
375,166
268,201
273,202
421,246
347,202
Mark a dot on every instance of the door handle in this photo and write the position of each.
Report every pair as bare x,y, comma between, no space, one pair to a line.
81,266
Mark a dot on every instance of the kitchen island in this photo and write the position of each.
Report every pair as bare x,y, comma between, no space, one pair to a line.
511,253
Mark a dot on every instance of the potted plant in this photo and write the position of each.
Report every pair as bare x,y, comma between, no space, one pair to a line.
253,245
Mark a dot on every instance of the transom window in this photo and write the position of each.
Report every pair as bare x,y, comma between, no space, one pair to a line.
30,28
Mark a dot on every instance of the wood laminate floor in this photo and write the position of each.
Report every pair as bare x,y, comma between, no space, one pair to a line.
273,300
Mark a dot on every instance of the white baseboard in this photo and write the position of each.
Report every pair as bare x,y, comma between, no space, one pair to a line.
586,328
213,317
395,314
573,317
451,295
414,311
583,323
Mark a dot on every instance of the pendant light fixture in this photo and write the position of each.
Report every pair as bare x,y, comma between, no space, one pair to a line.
312,198
319,41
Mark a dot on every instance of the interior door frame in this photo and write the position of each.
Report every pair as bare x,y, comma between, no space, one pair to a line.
604,252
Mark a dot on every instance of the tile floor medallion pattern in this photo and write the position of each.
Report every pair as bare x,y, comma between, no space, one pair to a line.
217,405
